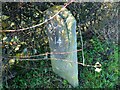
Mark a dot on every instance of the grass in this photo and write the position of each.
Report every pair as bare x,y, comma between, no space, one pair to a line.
100,52
95,51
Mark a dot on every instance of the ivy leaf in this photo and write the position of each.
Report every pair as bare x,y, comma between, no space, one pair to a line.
4,38
4,17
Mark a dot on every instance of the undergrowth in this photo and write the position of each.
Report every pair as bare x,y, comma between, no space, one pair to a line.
107,55
95,50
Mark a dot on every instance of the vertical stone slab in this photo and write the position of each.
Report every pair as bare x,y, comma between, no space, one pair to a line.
61,31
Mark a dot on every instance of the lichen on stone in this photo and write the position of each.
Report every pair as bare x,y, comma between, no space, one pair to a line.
61,31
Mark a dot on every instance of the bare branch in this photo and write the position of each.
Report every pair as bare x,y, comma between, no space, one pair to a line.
23,29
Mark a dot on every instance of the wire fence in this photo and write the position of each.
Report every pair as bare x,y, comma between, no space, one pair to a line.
37,57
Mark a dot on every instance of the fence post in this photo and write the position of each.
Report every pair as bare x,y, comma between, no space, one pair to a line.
61,31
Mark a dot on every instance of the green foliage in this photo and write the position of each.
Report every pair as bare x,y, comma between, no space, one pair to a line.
91,17
38,78
108,77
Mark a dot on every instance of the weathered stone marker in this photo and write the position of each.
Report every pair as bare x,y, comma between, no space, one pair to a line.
61,31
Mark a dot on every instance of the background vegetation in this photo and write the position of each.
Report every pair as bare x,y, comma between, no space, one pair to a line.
99,25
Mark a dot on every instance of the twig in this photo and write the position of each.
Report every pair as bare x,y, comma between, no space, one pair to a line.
57,59
45,54
23,29
82,47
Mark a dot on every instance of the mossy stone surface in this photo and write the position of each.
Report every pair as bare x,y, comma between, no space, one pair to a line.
61,31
